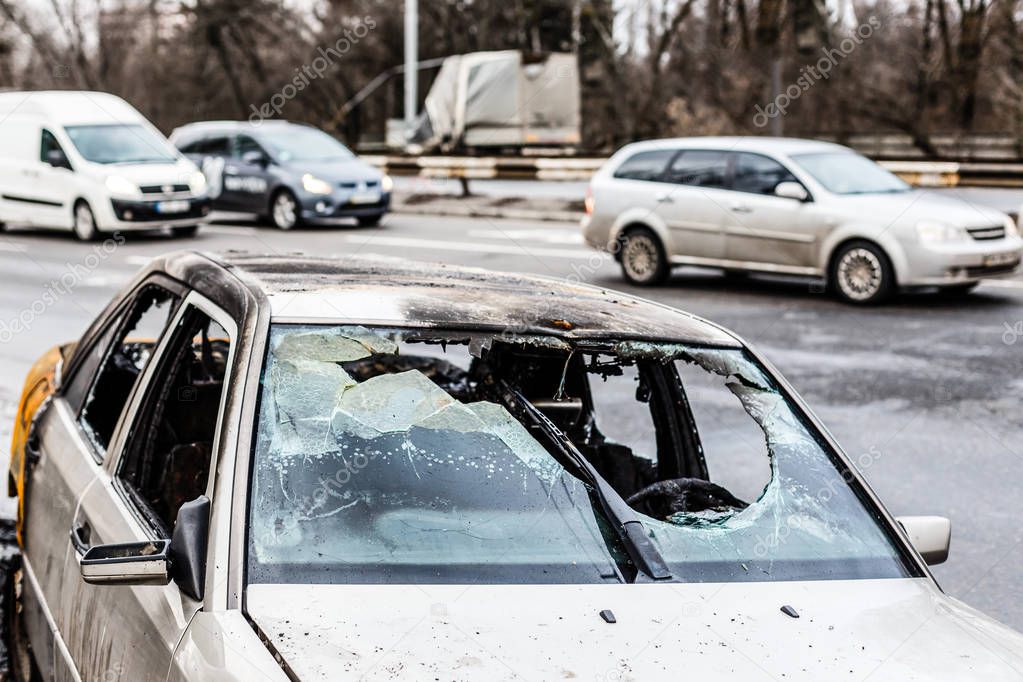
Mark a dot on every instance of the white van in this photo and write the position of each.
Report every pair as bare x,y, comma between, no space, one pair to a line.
89,162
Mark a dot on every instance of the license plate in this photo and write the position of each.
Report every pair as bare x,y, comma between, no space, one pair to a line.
365,198
1000,259
171,206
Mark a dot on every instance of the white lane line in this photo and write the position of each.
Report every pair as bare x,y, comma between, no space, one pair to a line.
236,231
138,260
11,246
471,247
552,236
1003,283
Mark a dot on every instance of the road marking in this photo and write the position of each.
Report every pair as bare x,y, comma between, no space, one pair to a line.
10,246
236,231
138,260
472,247
552,236
1003,283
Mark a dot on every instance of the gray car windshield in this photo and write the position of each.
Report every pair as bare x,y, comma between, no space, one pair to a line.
301,143
849,173
120,143
402,457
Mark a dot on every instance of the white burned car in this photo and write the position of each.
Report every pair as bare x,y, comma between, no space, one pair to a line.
265,468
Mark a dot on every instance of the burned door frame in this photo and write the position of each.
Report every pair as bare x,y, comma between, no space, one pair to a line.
74,459
162,612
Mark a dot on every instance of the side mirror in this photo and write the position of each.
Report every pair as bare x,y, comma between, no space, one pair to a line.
930,535
791,190
255,158
156,562
187,549
132,563
57,159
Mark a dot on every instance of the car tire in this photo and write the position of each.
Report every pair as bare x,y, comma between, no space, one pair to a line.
369,220
84,222
861,273
642,257
284,210
184,231
21,667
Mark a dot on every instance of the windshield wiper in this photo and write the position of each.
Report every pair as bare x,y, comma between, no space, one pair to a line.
646,557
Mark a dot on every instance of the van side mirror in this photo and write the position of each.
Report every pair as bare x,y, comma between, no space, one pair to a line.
791,190
929,535
157,562
255,158
57,159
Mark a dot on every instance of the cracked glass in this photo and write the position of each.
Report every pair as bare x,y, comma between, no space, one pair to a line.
396,456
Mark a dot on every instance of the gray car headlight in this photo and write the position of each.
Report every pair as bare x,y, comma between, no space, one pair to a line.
314,185
933,232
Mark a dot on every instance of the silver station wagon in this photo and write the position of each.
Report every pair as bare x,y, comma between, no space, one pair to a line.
296,468
793,207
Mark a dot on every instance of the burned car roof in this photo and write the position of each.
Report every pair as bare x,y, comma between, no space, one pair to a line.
406,293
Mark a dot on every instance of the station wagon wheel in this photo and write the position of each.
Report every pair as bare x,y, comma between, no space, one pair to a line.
642,257
284,210
861,273
85,222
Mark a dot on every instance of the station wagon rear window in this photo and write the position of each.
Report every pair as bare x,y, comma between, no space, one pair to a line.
403,456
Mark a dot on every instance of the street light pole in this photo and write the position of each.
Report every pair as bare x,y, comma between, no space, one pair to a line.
411,57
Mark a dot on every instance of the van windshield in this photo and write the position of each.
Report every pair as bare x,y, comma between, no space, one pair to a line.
120,143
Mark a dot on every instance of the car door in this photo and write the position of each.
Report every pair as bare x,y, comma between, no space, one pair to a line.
165,449
211,154
71,438
18,166
54,184
769,231
693,203
246,182
37,193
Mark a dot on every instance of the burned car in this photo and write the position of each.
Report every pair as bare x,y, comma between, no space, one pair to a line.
256,467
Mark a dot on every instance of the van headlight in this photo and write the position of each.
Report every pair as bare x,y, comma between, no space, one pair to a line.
122,187
386,183
197,183
932,232
314,185
1011,227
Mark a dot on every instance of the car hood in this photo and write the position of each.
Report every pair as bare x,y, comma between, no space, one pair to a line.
898,629
150,173
348,170
916,205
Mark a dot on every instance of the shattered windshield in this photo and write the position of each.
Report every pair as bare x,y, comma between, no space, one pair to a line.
406,456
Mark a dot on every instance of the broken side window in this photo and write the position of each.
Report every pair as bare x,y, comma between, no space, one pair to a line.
126,358
390,456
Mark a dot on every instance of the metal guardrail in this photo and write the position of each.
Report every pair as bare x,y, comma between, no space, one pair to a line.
918,173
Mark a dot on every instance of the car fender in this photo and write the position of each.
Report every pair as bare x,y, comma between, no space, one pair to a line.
878,234
640,216
40,384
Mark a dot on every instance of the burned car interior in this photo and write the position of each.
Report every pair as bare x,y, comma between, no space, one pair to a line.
411,455
168,463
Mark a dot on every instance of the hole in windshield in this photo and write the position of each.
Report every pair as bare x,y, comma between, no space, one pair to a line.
409,457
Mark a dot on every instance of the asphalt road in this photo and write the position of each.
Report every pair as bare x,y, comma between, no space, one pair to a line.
925,392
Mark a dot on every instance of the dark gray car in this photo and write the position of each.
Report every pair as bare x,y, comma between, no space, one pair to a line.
287,172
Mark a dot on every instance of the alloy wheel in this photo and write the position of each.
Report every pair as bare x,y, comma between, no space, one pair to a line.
285,211
860,274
